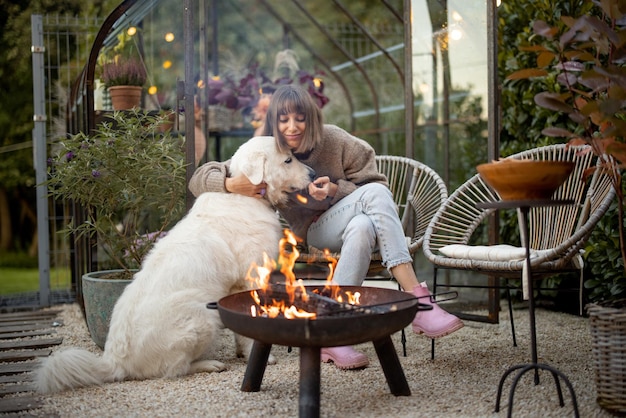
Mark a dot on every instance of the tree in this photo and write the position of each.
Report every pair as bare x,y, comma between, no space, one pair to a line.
17,175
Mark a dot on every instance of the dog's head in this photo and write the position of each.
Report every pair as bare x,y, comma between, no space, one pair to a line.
260,160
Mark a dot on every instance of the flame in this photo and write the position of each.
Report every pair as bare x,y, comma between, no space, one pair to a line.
301,198
260,277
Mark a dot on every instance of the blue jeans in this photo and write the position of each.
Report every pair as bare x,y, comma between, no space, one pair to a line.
362,222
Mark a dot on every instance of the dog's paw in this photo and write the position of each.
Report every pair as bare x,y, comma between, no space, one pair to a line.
208,366
271,359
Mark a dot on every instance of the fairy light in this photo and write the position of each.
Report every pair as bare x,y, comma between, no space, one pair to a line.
456,34
131,31
169,37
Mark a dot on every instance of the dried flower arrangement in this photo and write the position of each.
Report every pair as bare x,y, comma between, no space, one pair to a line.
124,72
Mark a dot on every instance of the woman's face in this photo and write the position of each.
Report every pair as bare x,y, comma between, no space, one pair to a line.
291,126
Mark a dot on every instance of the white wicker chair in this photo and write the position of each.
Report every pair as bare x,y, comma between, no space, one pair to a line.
560,232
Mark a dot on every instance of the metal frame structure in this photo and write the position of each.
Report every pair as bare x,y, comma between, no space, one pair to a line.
81,115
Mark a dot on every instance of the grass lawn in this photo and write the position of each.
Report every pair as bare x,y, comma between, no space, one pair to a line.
19,280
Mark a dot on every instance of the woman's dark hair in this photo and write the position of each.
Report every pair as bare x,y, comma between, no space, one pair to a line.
294,99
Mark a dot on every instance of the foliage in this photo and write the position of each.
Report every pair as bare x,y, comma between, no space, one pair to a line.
17,260
522,119
241,92
130,179
17,176
124,72
583,60
606,266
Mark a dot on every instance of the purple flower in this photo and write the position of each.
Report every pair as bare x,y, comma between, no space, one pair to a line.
95,173
69,156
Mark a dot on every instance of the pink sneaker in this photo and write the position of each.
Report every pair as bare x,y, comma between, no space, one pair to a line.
345,357
436,322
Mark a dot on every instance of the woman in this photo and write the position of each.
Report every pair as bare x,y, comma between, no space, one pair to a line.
349,209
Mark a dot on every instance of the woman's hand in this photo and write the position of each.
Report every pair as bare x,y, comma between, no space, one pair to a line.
241,185
321,188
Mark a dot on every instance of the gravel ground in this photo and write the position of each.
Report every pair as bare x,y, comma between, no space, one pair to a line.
461,382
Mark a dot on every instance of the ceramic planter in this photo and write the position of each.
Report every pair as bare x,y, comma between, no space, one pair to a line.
99,297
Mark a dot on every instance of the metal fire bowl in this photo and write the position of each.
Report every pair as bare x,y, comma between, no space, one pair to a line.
324,331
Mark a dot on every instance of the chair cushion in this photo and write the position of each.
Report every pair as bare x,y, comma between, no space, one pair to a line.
500,252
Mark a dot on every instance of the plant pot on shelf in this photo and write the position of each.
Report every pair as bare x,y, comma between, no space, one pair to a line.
607,323
219,118
100,293
125,97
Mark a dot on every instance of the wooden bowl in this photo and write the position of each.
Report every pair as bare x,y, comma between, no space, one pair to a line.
525,179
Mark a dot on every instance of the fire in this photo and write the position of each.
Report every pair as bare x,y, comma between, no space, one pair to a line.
353,298
261,278
301,198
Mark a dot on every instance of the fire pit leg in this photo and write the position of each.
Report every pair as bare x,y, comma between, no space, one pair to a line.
391,367
256,367
309,382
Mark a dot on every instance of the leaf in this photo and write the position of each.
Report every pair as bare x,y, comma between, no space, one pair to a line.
533,48
580,55
552,101
527,73
557,132
593,80
567,37
578,118
543,29
568,20
617,150
567,79
570,66
545,58
610,106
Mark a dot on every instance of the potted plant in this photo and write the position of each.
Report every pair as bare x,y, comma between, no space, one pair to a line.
129,178
124,78
584,64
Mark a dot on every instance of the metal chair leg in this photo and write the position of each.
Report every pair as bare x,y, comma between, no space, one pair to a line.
432,341
508,295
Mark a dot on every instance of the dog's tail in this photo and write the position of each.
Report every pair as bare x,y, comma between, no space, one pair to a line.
72,368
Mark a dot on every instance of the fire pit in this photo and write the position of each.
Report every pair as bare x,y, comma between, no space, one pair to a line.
381,313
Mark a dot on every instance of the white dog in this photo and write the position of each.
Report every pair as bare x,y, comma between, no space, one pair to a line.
161,326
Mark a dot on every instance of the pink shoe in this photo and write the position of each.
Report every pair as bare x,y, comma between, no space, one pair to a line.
345,357
436,322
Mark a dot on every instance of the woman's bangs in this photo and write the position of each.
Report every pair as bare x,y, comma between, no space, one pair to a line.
292,105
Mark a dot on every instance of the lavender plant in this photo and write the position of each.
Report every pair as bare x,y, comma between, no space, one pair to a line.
124,72
130,179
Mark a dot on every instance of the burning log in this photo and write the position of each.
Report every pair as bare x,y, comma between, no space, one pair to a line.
316,303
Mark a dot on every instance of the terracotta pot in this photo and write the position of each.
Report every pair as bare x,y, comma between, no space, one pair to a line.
99,296
125,97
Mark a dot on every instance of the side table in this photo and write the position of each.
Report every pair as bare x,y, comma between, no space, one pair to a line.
524,207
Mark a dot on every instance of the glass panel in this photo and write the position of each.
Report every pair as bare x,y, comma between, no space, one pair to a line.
450,83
